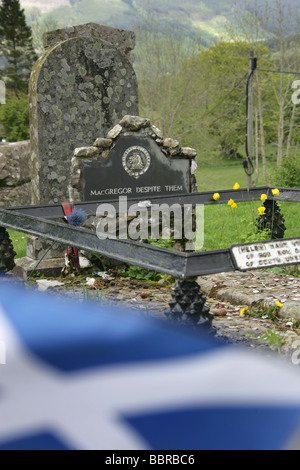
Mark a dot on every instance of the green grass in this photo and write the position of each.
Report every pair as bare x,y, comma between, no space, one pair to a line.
19,242
224,227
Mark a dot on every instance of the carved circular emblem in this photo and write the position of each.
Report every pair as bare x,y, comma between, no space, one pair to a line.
136,161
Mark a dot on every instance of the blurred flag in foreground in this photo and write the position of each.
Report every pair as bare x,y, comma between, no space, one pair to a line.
88,376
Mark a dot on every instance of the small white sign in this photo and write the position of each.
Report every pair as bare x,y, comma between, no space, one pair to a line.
266,254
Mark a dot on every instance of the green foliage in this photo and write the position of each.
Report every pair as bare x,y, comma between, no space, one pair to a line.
265,311
273,338
249,235
15,46
14,116
141,274
288,174
217,97
163,243
94,295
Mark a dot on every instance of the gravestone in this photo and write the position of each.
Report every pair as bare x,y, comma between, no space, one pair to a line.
79,88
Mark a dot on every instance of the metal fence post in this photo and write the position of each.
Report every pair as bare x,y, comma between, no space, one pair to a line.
7,253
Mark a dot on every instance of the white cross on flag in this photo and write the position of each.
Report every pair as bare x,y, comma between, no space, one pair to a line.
89,376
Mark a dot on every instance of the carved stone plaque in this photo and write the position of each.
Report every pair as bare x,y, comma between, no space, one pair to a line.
135,166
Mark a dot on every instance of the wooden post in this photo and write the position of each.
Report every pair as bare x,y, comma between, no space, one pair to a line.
256,149
249,136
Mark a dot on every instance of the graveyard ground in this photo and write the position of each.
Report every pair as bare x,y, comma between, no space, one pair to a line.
263,327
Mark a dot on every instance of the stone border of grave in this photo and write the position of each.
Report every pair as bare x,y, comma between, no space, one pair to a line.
128,125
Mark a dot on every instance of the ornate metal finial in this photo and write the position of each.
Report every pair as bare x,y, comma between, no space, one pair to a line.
7,252
188,305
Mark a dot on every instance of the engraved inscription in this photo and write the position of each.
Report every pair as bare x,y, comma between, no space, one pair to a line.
260,255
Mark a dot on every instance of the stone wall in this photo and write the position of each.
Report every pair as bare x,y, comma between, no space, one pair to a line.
15,174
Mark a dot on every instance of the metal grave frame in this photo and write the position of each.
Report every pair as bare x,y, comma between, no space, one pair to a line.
188,301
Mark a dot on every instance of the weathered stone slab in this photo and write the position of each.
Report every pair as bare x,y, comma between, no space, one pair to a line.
38,248
119,38
79,89
47,267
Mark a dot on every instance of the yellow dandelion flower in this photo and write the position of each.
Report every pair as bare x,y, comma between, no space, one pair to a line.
243,311
216,196
263,197
236,186
275,192
278,304
233,206
261,210
230,202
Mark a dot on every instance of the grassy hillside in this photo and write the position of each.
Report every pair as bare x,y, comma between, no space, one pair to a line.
206,17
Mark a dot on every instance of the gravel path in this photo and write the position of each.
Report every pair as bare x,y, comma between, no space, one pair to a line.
226,295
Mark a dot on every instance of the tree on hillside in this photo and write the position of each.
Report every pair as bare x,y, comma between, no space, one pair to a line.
39,27
15,46
276,24
160,61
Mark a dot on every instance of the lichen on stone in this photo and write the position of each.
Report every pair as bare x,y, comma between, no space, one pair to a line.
75,96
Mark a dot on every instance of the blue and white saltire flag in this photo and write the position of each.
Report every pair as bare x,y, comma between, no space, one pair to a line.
87,376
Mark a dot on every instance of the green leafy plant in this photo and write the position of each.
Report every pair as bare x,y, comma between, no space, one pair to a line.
262,310
273,338
15,46
164,243
288,174
135,272
93,295
14,116
250,235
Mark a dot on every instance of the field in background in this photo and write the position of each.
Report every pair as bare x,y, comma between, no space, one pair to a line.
224,227
218,177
